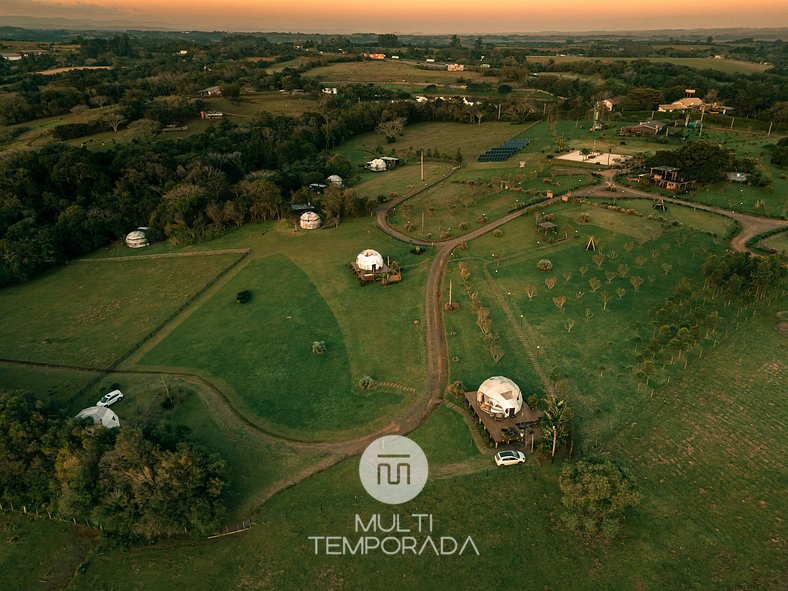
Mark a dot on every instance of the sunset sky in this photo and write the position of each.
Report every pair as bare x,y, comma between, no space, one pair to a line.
414,16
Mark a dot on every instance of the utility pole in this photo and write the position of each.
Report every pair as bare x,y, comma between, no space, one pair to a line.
422,165
702,113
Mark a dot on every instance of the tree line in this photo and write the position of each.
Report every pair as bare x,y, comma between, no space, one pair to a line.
135,483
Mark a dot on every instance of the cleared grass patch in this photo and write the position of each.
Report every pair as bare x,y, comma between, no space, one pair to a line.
386,71
88,314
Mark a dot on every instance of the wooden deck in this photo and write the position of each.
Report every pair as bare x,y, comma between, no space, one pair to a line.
521,428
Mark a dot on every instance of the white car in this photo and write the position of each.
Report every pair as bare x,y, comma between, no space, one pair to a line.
110,398
507,458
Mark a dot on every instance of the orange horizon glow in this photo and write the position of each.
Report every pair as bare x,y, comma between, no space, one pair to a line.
412,16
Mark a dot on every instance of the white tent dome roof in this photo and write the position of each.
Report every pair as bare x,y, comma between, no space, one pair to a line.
501,392
335,178
309,220
136,239
367,258
377,164
100,415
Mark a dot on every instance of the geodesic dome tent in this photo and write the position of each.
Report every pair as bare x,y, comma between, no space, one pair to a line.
367,259
100,415
309,220
335,180
500,395
377,165
136,239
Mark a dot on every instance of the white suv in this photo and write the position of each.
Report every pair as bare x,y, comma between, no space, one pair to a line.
507,458
110,398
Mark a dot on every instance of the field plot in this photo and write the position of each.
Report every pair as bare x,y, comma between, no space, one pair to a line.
403,179
779,242
699,63
250,351
386,71
446,138
39,554
691,218
262,102
256,347
88,314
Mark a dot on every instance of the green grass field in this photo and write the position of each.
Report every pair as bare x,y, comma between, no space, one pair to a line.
386,71
779,242
698,63
89,314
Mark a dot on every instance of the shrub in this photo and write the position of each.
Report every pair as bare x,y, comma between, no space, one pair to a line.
457,388
498,233
544,265
366,383
532,401
318,347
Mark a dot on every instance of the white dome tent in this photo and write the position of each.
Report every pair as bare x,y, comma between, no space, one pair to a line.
377,165
100,415
335,180
368,260
136,239
500,396
310,220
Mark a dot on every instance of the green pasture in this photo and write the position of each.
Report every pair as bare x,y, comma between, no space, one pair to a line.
262,102
387,71
779,242
447,138
698,63
89,314
689,217
38,554
250,350
406,178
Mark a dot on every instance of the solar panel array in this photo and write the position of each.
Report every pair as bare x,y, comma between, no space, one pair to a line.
504,151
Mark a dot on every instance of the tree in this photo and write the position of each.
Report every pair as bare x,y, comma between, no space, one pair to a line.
596,493
605,297
557,422
636,282
560,302
391,128
595,284
114,120
550,282
530,291
232,92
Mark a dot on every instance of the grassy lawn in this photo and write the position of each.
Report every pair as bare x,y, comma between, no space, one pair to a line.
90,313
255,348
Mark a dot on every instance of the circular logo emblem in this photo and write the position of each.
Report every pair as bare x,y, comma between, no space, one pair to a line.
393,469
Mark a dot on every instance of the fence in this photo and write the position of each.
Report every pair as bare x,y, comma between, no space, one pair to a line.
228,530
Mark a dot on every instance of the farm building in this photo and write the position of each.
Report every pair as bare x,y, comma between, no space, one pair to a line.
377,165
670,178
390,161
455,67
500,396
335,180
136,239
309,220
100,415
211,115
211,91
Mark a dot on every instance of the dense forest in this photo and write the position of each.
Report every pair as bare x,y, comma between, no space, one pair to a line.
134,483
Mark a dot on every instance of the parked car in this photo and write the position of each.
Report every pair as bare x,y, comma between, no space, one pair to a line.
507,458
110,398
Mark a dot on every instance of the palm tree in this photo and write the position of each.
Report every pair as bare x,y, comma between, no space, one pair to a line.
557,421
